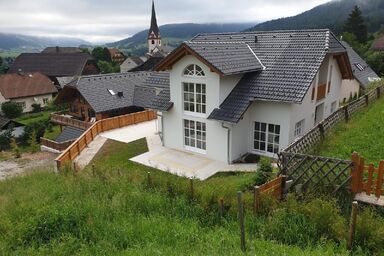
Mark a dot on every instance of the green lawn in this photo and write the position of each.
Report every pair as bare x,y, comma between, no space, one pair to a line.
52,135
363,134
111,210
33,117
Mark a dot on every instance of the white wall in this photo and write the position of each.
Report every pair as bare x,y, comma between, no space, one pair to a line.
33,100
349,87
173,134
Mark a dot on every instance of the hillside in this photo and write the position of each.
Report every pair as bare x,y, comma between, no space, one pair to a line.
181,32
15,41
330,15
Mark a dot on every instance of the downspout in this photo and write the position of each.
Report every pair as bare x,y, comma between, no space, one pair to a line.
228,140
162,128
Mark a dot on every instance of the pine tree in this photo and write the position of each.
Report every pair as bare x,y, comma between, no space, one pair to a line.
356,25
33,143
15,149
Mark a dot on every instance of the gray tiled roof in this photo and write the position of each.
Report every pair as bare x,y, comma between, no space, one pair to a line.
361,75
162,99
228,57
69,133
291,60
4,122
138,89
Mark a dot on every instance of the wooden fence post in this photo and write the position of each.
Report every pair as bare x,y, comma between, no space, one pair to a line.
192,189
149,179
256,199
360,175
379,181
321,129
352,225
221,209
366,99
378,92
241,220
346,114
355,172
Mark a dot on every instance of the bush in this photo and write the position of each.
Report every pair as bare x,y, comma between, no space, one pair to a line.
36,108
37,127
11,109
370,231
264,172
5,139
15,149
33,143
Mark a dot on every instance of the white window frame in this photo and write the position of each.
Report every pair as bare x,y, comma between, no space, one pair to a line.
299,128
266,137
190,134
194,71
194,102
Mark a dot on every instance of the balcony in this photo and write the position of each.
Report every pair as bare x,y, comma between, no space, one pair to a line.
67,120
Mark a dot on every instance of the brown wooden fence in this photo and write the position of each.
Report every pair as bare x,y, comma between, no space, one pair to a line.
101,126
367,178
59,146
60,119
305,144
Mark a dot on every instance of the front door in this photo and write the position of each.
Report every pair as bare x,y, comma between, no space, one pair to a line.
319,113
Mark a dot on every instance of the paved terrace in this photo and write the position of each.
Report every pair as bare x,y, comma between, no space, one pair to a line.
177,162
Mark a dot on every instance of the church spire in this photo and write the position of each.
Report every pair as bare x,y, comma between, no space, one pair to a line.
154,31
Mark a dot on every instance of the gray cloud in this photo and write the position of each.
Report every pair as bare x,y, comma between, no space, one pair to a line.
102,20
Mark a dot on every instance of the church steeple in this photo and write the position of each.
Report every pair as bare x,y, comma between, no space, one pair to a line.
154,38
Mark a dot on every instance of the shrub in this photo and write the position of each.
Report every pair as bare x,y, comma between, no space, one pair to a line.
264,172
36,108
33,143
15,149
37,127
11,109
5,139
370,231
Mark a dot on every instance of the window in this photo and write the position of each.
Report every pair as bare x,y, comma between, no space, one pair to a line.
299,128
330,79
22,104
333,106
195,135
153,42
267,137
359,66
194,70
194,98
112,92
45,101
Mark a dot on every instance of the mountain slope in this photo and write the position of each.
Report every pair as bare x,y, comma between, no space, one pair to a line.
13,41
330,15
180,32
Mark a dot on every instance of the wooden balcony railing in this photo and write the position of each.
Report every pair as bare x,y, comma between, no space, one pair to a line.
67,121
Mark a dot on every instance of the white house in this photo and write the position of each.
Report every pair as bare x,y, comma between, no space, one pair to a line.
363,75
237,93
26,89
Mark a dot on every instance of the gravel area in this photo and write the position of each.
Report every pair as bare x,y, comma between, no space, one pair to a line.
28,162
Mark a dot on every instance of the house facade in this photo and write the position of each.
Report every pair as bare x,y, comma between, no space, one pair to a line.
27,89
234,94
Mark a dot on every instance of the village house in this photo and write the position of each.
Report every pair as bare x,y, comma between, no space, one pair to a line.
378,45
132,62
115,55
232,94
363,75
101,96
26,89
57,66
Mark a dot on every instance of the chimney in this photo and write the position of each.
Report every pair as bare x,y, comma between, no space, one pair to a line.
256,39
120,94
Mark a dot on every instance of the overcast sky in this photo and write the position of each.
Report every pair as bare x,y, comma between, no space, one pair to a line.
104,21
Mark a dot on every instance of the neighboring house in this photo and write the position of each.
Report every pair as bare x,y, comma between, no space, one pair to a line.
237,93
378,45
148,65
115,55
58,49
362,73
103,96
26,89
5,124
131,63
56,65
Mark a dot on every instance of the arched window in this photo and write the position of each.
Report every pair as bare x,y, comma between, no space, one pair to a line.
193,70
153,41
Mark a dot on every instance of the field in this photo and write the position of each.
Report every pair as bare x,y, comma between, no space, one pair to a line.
363,134
111,209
